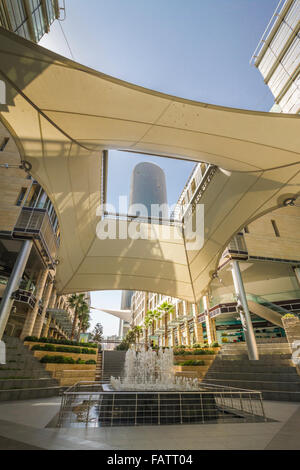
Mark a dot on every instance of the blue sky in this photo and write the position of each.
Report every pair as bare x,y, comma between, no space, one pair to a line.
197,49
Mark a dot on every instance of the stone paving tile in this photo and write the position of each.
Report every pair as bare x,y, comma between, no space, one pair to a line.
288,436
12,444
37,413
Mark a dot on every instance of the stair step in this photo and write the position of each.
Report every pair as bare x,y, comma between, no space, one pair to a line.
248,376
29,393
258,385
11,384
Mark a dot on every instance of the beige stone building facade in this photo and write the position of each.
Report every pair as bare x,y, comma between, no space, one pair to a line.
26,213
268,254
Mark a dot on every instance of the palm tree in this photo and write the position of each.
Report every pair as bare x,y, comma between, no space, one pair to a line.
75,301
137,330
166,308
150,317
83,315
86,324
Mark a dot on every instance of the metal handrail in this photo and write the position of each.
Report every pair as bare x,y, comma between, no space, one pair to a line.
266,33
86,403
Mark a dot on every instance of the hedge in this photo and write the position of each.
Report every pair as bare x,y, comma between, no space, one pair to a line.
191,363
67,342
51,347
64,360
183,352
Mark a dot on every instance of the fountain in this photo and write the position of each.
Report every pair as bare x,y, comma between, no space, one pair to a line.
150,393
152,371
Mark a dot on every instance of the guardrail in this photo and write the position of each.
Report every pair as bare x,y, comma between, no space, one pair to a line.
87,404
36,223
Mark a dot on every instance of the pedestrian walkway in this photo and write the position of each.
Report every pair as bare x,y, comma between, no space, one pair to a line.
23,425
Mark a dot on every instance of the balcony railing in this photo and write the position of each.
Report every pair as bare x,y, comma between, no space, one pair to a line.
192,193
27,297
237,246
36,222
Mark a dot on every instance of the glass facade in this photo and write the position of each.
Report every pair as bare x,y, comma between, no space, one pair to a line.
30,19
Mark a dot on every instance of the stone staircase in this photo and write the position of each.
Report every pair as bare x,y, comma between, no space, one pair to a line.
98,375
23,377
274,374
113,364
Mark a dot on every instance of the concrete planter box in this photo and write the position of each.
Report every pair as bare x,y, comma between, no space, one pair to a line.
216,350
56,367
75,356
70,374
189,371
71,377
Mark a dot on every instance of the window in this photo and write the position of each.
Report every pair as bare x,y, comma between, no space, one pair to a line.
4,144
193,186
21,196
275,228
246,229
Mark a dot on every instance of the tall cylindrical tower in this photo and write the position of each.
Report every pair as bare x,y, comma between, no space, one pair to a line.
148,186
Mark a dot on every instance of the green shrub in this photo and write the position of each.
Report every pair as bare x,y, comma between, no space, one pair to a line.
57,360
191,363
179,352
196,346
199,351
122,346
202,351
31,338
65,342
88,351
52,347
215,344
64,360
48,347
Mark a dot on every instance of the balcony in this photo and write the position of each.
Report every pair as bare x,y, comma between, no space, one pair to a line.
237,246
36,224
194,189
27,297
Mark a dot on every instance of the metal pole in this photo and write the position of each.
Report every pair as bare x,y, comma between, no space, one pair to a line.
245,314
13,284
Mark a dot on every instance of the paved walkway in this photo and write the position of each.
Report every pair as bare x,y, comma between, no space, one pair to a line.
23,426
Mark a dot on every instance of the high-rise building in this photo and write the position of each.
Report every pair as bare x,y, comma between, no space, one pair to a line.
277,57
29,228
148,187
30,19
265,251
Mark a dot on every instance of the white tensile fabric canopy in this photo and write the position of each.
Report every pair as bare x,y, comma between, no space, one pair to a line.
62,114
122,314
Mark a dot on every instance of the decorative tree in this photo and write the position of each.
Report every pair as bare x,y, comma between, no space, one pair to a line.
84,316
75,301
97,333
166,308
150,317
137,330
